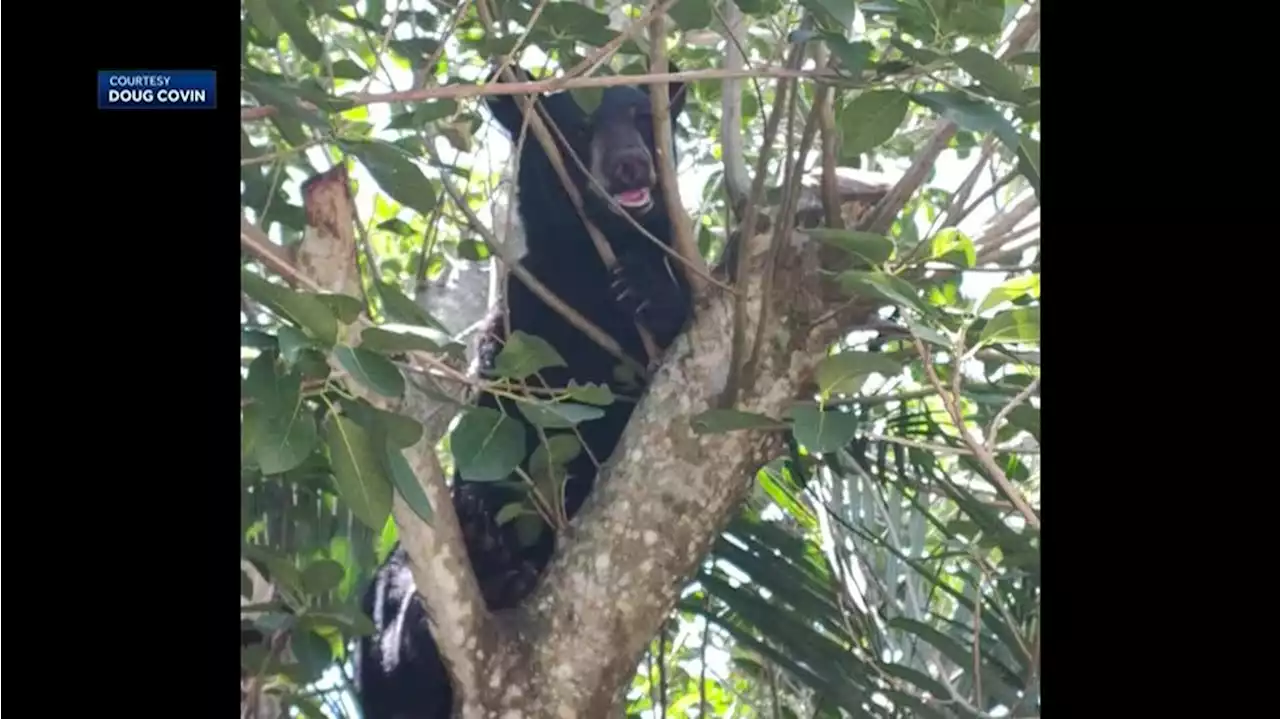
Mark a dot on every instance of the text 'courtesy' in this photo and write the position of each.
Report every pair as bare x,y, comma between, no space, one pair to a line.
157,90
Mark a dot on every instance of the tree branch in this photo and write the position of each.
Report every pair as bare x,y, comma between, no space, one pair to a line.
465,90
666,494
446,582
693,266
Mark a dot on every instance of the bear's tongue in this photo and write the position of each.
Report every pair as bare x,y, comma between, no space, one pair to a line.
633,198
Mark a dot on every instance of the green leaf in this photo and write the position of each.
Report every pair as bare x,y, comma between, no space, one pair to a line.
994,76
970,113
1029,162
472,250
423,114
371,370
1020,325
1028,57
284,98
916,678
919,55
929,334
278,443
346,308
691,14
487,445
312,364
529,527
290,16
350,621
361,483
291,342
525,354
822,432
874,248
949,647
954,247
398,306
399,430
348,69
1010,290
573,20
406,483
591,393
973,17
547,464
415,49
715,421
312,91
281,432
257,339
841,11
305,310
326,6
1026,417
408,338
871,119
558,450
855,57
558,415
261,17
265,384
433,110
313,652
509,512
402,120
756,8
395,173
397,226
884,285
322,575
846,372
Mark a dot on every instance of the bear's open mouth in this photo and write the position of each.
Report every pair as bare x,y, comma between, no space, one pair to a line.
633,198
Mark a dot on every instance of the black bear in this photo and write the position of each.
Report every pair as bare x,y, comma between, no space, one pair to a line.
399,673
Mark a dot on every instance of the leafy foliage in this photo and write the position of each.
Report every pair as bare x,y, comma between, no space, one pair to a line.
884,567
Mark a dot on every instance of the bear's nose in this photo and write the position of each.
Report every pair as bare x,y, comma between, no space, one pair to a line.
631,171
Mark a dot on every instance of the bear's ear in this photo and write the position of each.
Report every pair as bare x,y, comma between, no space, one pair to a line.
504,107
559,105
676,91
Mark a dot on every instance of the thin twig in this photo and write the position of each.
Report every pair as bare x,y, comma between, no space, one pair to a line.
984,457
996,235
737,180
747,230
1018,399
782,228
466,90
993,189
660,99
254,241
381,47
830,191
282,154
955,208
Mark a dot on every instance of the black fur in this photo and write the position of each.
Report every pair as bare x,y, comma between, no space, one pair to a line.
399,672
